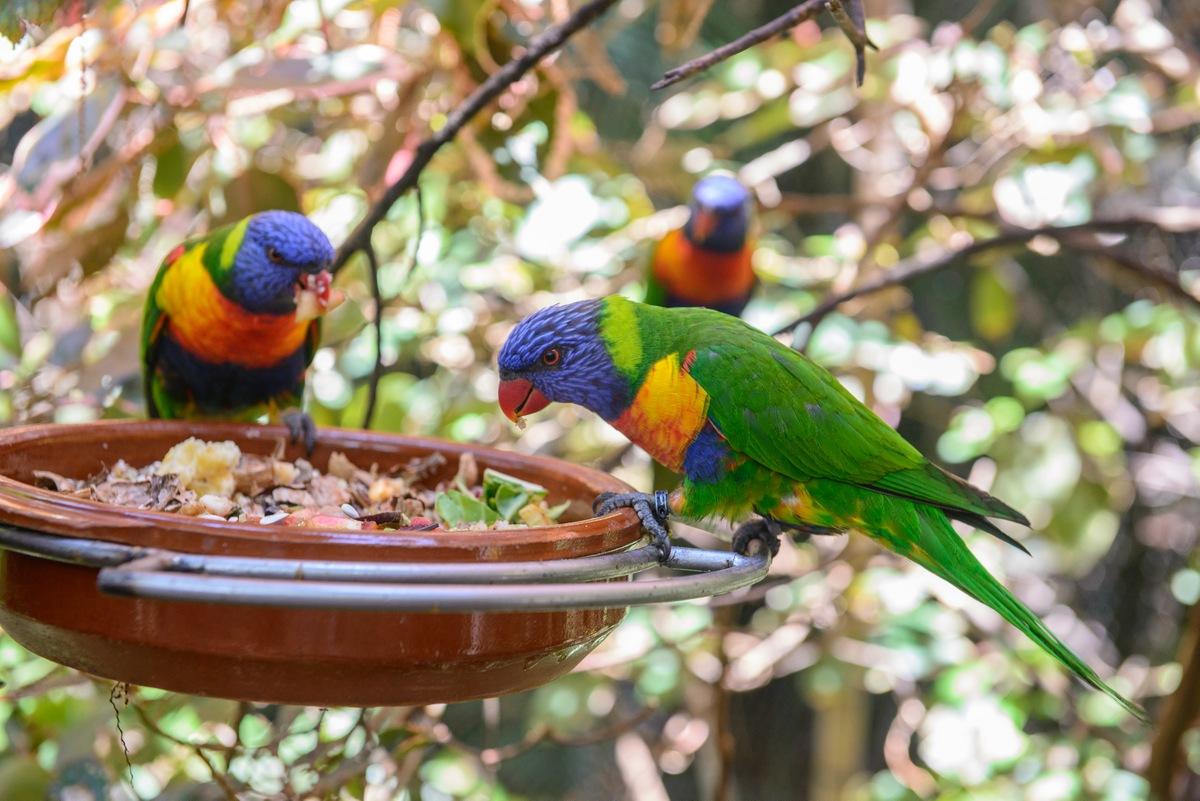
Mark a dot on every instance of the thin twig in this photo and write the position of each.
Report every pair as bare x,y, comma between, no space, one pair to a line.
377,298
1178,714
918,266
805,11
121,690
539,47
541,734
1163,280
199,749
377,371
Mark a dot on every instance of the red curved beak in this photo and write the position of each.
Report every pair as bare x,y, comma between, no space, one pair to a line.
519,397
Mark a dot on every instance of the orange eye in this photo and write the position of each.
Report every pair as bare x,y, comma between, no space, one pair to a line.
551,357
274,255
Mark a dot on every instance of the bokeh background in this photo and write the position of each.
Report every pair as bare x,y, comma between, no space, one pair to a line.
1061,373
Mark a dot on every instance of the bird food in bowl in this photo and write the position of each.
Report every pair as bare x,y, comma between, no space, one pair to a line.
48,484
217,481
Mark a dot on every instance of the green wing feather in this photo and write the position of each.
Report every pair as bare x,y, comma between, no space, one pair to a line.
941,551
794,417
154,320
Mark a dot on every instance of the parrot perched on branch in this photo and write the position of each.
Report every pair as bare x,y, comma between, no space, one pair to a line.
757,428
232,321
707,261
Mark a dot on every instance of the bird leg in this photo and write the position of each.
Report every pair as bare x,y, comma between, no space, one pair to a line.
768,531
652,509
301,428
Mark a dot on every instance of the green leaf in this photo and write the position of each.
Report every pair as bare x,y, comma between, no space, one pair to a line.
457,508
508,495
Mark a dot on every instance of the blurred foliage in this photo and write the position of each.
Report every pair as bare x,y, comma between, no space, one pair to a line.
1048,374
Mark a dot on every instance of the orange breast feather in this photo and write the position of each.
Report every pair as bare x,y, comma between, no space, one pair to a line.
701,276
215,328
667,413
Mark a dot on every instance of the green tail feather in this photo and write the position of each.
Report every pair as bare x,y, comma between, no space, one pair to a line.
941,551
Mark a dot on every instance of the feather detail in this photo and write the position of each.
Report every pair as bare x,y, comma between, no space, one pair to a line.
667,413
693,276
214,328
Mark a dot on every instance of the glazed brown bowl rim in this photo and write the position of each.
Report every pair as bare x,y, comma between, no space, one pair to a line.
45,510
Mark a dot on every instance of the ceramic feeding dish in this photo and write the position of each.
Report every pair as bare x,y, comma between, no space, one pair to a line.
305,616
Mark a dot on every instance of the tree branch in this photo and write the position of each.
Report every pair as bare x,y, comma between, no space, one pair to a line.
377,297
805,11
539,47
918,266
1178,713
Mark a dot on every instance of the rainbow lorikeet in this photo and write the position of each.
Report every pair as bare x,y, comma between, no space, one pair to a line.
755,427
707,261
232,321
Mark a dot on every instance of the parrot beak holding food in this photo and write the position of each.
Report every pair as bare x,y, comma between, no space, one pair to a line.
519,397
704,223
315,295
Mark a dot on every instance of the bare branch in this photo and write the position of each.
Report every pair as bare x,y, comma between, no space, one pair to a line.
377,296
805,11
539,47
1165,281
199,749
918,266
1178,713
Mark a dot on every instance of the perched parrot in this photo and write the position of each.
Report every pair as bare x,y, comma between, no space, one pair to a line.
707,261
232,321
756,427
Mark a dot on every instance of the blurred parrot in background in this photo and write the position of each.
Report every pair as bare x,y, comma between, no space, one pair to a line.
707,261
757,428
232,321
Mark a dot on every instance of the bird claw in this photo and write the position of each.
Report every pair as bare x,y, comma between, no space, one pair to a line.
763,531
301,428
653,510
768,532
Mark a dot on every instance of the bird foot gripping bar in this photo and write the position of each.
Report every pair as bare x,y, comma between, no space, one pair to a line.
561,584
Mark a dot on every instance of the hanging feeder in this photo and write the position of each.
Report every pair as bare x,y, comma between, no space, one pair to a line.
324,618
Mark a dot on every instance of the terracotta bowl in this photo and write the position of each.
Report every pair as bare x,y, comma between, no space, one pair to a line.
297,656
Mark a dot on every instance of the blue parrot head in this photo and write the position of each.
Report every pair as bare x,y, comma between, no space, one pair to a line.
282,256
558,355
720,216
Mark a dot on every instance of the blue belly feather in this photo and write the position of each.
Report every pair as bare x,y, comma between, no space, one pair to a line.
217,388
704,461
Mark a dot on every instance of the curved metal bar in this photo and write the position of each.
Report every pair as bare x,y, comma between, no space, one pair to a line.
577,583
722,573
94,553
72,550
583,568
